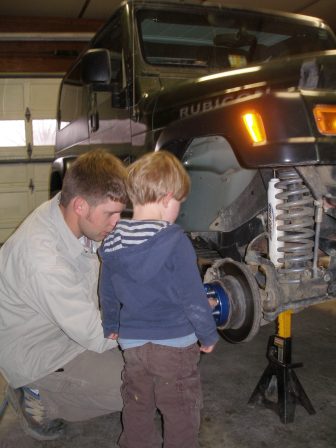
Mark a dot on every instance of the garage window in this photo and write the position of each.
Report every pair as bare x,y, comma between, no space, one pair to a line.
44,132
12,133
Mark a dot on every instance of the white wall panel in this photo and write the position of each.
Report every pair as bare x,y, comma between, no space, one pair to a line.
11,99
24,180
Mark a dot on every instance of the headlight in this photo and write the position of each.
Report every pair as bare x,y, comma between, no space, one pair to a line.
255,127
325,117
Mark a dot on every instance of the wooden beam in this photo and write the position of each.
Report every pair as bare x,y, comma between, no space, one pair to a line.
42,56
48,57
27,48
34,65
19,24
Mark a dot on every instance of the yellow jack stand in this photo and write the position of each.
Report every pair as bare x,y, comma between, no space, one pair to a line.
279,388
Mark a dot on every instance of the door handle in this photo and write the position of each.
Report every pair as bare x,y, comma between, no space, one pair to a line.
94,122
31,186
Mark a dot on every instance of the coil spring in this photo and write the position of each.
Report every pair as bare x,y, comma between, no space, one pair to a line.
298,225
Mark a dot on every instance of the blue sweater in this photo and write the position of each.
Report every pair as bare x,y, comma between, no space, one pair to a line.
150,286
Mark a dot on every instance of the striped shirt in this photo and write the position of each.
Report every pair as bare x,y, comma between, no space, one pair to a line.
129,232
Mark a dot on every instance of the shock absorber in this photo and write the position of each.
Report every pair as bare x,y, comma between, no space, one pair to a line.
291,231
275,236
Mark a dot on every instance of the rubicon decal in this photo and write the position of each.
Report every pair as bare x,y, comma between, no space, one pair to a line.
216,103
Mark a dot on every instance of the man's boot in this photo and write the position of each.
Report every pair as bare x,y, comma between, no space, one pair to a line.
32,415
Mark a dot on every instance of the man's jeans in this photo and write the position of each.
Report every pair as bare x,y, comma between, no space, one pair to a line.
164,378
86,387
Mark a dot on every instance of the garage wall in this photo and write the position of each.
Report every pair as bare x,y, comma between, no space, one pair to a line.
27,138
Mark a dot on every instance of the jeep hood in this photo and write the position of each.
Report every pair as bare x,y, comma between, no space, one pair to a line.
308,71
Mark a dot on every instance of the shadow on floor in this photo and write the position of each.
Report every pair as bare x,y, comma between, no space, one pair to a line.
230,375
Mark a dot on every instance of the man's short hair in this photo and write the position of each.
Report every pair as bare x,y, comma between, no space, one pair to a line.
154,175
95,176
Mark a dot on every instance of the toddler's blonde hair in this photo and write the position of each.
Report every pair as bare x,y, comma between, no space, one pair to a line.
154,175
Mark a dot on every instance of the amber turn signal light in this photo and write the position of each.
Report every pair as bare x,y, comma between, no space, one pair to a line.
255,127
325,117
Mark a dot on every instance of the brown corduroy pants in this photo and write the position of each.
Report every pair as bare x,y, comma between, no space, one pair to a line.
167,379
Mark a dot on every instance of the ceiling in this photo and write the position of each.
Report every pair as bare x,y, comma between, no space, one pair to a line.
30,44
101,9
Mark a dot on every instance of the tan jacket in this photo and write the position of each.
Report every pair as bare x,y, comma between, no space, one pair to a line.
48,298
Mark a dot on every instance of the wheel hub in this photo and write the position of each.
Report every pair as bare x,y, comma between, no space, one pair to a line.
238,306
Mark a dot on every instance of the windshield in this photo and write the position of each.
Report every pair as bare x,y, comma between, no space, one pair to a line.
224,38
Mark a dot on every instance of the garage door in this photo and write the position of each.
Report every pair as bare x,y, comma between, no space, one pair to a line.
27,138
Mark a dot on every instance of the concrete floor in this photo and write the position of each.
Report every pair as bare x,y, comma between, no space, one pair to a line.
230,375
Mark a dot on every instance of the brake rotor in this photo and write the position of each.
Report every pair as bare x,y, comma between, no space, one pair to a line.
238,310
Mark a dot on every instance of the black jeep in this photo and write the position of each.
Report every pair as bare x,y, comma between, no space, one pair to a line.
247,100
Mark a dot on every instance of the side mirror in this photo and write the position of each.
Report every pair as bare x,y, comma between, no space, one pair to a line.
96,67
